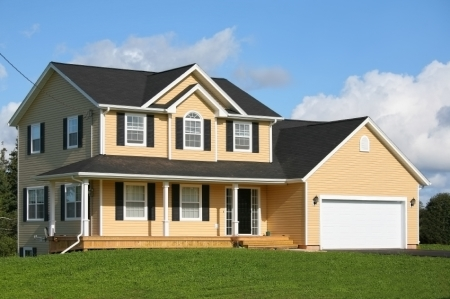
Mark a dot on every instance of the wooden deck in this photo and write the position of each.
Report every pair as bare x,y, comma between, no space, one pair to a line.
60,243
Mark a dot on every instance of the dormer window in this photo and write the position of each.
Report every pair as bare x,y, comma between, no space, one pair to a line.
193,131
364,144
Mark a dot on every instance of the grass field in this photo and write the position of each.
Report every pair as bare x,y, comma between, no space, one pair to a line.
434,247
224,273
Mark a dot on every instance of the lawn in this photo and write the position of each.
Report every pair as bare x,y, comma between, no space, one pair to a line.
224,273
434,247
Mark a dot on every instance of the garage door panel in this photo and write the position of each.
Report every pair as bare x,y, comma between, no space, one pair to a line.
361,224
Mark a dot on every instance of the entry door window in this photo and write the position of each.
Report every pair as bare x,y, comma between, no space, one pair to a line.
248,211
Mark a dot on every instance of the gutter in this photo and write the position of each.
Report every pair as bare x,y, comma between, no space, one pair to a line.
82,226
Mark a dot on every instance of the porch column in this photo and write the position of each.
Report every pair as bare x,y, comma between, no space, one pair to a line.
51,220
85,205
166,209
234,208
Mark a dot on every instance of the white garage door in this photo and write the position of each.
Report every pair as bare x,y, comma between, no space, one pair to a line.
362,224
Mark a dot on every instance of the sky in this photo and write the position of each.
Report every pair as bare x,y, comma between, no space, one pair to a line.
313,60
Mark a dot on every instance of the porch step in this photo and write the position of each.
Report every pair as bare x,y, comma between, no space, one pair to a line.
272,242
292,246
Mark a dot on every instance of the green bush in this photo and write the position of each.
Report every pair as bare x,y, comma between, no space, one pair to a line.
435,220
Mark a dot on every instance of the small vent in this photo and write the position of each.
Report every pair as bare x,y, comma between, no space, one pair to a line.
364,144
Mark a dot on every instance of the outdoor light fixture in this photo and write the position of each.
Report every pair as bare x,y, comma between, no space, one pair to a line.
315,200
413,202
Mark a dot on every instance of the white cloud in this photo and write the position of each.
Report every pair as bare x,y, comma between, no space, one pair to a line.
439,180
32,30
158,52
3,73
262,77
8,134
412,111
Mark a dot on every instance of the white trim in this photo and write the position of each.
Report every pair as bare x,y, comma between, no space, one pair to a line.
145,217
363,139
126,108
32,151
51,206
68,136
144,141
100,218
102,129
66,218
306,213
250,141
215,139
19,202
418,212
28,204
200,200
254,117
201,121
166,229
401,199
169,137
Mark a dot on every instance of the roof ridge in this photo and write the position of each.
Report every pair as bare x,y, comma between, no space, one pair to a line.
174,69
337,121
102,67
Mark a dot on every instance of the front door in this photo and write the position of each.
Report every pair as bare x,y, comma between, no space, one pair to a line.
245,211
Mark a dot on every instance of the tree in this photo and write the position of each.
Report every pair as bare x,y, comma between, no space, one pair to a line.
435,220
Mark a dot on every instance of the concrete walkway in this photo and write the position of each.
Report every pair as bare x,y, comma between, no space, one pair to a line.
416,252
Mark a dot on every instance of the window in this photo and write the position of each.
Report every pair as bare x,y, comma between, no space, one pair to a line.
28,251
73,202
36,203
242,136
190,203
72,132
35,138
135,202
364,144
135,129
193,131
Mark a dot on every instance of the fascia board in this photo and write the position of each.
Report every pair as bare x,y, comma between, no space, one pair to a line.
254,117
131,108
34,91
219,110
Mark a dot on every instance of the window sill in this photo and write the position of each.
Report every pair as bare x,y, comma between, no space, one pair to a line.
134,144
135,219
72,219
191,220
193,148
72,147
35,220
242,151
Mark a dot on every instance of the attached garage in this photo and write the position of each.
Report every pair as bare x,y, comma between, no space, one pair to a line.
362,222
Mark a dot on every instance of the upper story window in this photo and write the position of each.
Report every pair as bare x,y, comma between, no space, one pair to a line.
35,204
193,131
35,138
135,201
364,144
72,132
190,199
135,129
73,202
242,136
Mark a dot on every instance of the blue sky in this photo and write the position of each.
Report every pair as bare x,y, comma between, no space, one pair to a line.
305,59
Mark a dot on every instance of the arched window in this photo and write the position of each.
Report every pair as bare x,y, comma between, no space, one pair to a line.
364,144
193,130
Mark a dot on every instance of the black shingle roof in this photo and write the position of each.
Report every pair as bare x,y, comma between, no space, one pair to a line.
298,147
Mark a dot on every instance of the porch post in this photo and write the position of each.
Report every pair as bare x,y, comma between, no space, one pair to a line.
84,213
51,222
166,209
234,215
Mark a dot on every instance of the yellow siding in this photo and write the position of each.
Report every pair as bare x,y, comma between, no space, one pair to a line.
57,100
189,80
194,103
160,149
286,211
264,143
351,172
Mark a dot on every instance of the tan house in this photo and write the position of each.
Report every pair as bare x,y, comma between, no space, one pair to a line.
114,158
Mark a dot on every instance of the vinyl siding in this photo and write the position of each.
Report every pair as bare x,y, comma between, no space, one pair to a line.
168,96
159,150
286,211
57,100
351,172
264,142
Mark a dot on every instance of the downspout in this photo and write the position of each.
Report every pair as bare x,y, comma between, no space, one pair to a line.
81,229
270,140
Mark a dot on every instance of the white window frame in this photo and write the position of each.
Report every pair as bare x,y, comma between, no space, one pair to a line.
68,132
361,144
29,249
38,126
199,187
201,131
65,208
250,136
125,201
144,142
35,205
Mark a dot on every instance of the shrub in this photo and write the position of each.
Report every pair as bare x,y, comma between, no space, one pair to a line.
435,220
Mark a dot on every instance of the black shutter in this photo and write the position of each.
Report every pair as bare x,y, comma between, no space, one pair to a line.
34,251
151,190
28,140
207,134
46,203
179,133
63,202
119,201
255,137
175,202
205,202
64,133
21,251
42,137
80,130
229,133
120,129
24,204
150,131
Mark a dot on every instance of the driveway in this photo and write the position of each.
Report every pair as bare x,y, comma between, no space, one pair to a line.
416,252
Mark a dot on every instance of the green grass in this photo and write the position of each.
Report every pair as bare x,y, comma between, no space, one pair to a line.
224,273
434,247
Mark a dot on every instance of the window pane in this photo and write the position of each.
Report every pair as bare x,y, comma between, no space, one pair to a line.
70,194
192,140
135,136
31,197
40,196
135,209
78,209
190,202
135,193
242,143
40,211
35,131
36,145
70,210
135,129
190,210
31,211
73,139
